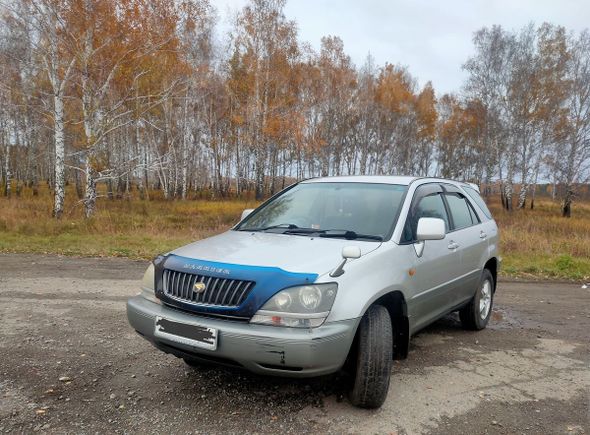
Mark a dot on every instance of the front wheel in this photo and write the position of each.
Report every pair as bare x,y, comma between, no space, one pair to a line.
374,359
476,314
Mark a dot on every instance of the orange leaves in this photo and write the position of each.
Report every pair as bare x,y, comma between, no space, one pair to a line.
394,90
461,121
426,112
274,127
262,73
237,119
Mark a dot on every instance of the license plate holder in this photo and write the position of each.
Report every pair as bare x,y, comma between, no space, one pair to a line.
190,334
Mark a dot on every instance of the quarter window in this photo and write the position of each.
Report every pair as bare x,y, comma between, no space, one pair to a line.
478,200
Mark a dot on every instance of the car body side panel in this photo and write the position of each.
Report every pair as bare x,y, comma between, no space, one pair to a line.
433,284
396,268
493,239
472,250
368,278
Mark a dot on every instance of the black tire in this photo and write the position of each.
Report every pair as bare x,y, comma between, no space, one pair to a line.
471,316
374,359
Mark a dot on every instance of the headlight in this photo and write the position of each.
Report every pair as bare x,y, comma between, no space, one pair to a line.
298,307
148,284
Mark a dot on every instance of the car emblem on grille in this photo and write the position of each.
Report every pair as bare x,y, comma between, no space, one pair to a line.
199,287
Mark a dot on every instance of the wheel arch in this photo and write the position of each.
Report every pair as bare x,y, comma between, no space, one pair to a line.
492,266
395,303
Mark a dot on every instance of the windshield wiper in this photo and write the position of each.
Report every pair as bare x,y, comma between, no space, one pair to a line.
349,235
285,226
335,234
303,231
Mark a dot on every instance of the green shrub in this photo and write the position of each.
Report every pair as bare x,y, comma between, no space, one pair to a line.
565,263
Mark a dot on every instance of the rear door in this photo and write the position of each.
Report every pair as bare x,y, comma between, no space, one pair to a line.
467,233
437,267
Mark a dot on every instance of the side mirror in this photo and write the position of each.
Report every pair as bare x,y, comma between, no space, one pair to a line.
351,252
347,252
430,229
245,213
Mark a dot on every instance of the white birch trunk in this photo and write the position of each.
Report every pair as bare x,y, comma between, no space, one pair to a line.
60,183
185,139
58,85
522,195
8,175
89,120
90,195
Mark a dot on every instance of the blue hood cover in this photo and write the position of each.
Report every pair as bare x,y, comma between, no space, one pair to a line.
268,281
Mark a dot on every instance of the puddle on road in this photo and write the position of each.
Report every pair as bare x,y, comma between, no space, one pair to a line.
504,317
497,316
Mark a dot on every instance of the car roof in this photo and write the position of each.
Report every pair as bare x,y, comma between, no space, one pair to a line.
386,179
378,179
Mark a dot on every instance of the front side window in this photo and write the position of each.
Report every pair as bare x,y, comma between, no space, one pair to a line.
347,210
431,206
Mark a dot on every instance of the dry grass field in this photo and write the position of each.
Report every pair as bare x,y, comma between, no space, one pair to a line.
540,243
535,243
124,228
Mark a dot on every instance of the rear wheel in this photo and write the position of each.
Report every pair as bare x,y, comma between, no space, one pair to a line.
476,314
374,359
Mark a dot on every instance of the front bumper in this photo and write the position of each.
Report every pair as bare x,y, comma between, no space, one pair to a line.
261,349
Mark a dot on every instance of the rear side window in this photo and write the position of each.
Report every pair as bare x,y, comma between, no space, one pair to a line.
474,195
429,206
461,212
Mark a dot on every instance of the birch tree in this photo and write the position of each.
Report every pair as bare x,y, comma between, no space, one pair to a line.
572,161
488,82
49,20
264,46
137,93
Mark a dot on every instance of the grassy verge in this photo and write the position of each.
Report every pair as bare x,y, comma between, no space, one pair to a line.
563,266
541,244
536,244
134,228
91,246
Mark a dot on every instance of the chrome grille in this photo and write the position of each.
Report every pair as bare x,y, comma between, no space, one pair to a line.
219,291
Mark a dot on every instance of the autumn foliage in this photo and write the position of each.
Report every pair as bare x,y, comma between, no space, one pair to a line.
139,94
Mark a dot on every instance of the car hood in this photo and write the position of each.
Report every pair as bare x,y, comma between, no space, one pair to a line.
293,253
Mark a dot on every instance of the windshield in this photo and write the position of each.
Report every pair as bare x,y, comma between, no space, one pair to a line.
347,210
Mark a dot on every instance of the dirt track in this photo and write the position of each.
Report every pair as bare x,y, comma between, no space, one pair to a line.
529,372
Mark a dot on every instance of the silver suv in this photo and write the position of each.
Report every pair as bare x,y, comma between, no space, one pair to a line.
329,271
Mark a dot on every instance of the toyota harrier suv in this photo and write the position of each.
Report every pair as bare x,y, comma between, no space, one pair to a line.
329,273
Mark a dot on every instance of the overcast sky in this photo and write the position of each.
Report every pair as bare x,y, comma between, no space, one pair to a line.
432,38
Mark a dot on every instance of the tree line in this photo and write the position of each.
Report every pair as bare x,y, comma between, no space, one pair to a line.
139,94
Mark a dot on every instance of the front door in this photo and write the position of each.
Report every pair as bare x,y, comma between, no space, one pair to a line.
436,269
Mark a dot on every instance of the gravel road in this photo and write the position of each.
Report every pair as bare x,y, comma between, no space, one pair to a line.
69,363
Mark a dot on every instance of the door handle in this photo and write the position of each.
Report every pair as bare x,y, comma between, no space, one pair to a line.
482,235
453,245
